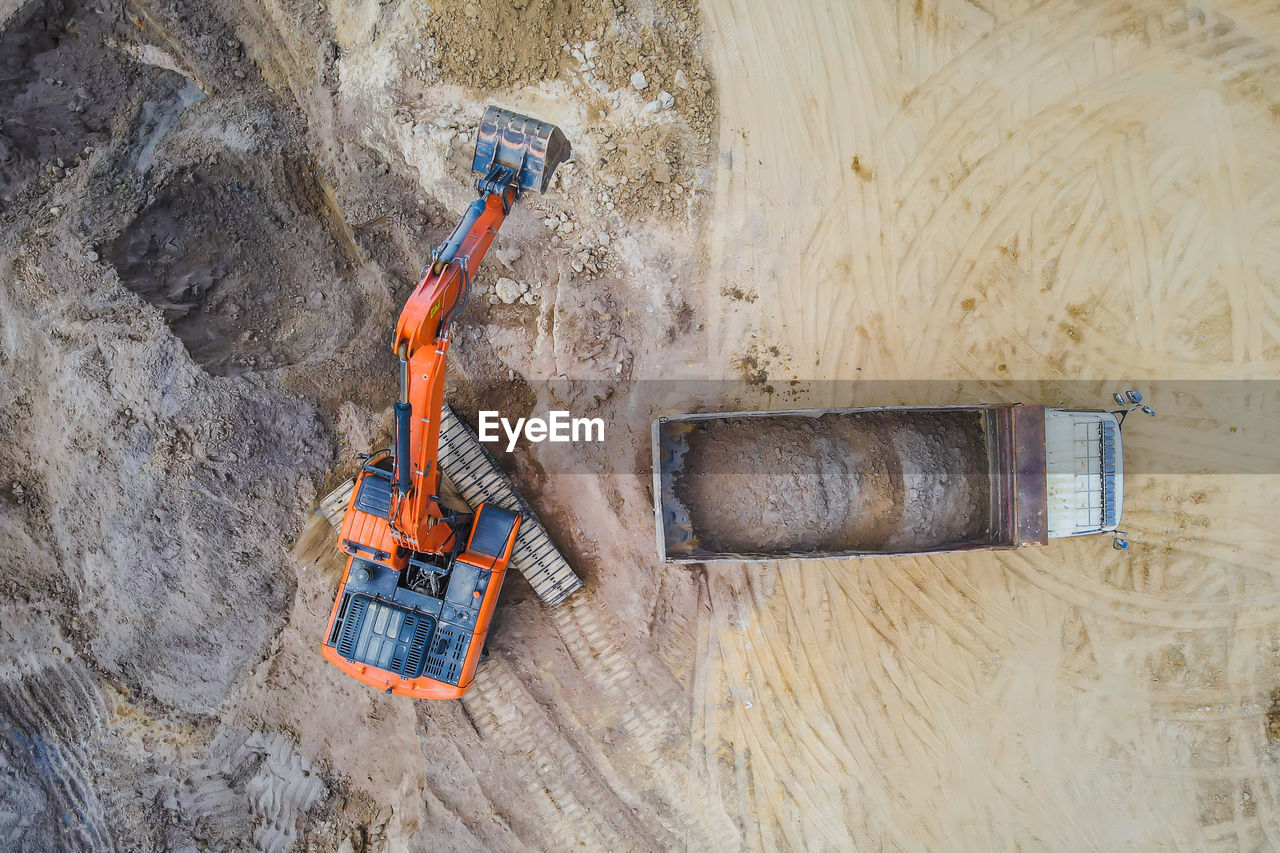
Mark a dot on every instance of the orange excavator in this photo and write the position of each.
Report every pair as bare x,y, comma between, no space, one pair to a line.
422,580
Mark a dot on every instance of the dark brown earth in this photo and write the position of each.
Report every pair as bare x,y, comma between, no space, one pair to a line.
210,215
868,481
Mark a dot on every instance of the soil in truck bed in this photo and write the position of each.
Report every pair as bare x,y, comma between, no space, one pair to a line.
887,481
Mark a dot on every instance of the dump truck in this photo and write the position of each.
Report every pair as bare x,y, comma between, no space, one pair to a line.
860,482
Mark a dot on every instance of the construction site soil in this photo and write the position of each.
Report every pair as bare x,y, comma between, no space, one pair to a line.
891,481
210,214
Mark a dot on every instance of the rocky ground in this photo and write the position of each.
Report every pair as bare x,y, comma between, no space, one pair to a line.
210,216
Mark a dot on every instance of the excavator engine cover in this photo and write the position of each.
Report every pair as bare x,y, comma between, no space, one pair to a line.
531,149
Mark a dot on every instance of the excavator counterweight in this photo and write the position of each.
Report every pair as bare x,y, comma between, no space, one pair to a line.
422,579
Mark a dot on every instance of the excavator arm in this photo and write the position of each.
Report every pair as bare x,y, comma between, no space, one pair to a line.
422,342
513,153
421,584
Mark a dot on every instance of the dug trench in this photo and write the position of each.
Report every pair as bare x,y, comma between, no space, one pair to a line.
245,281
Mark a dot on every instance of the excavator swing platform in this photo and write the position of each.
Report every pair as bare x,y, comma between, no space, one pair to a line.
423,577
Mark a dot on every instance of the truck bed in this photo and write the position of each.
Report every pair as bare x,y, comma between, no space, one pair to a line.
840,482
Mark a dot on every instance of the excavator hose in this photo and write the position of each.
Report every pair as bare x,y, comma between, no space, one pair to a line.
402,414
449,249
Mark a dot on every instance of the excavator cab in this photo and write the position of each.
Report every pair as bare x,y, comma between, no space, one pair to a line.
365,532
421,584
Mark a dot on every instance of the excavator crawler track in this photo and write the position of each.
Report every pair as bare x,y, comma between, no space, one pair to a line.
477,477
334,505
464,460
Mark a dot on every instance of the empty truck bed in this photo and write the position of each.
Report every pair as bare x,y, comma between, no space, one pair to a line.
826,483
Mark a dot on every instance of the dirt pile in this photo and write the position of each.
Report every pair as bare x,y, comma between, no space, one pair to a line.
882,481
210,215
645,48
637,70
491,46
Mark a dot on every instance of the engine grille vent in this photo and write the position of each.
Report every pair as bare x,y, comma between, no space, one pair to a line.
418,648
448,651
350,623
383,635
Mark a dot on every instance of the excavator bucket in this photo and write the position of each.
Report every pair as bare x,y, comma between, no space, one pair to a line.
530,148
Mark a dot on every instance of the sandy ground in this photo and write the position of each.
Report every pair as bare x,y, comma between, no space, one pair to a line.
1055,191
211,212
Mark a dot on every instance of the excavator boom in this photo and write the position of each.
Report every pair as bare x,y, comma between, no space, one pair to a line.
422,342
421,582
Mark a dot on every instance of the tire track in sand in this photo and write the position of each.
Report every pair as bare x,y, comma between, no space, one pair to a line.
595,769
1025,195
512,720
